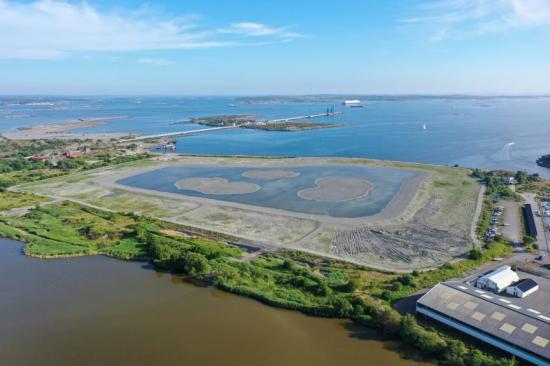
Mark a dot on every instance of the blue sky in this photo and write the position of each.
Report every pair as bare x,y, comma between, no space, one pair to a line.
275,47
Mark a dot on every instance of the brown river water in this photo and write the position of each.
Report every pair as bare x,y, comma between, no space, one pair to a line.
101,311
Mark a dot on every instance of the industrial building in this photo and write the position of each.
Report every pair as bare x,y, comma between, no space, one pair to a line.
520,326
530,225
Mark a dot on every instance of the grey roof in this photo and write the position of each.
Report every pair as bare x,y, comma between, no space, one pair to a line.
526,284
489,314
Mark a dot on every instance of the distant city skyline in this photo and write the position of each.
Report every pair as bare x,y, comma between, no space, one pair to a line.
194,47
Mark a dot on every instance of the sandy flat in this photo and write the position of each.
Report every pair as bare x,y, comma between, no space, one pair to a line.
270,174
216,186
62,131
337,189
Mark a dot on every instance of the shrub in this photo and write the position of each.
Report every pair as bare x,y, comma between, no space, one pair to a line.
475,254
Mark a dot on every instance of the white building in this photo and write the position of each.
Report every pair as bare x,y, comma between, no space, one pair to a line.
498,279
523,288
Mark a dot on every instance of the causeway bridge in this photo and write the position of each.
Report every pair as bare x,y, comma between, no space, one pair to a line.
180,133
212,129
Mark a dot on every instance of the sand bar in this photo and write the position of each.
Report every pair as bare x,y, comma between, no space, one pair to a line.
337,189
61,130
218,186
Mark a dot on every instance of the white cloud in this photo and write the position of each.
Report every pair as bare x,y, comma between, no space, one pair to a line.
50,29
258,30
155,61
467,18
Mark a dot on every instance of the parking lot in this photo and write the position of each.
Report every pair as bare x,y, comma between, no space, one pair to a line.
510,221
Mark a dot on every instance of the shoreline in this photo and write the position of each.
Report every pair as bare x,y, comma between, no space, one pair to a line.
62,130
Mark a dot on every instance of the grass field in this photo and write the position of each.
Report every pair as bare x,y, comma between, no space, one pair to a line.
10,200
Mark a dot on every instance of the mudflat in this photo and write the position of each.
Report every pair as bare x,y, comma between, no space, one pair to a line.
218,186
337,189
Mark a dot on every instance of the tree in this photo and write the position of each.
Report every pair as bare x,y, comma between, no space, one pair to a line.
521,177
342,307
455,353
5,183
192,263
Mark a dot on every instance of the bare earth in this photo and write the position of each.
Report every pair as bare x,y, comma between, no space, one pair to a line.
61,131
426,223
271,174
337,189
217,186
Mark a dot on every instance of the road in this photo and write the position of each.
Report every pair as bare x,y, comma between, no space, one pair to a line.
479,207
180,133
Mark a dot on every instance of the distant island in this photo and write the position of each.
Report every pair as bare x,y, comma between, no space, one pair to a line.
224,120
249,121
339,98
289,126
544,161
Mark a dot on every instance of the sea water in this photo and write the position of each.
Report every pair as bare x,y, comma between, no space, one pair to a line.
500,132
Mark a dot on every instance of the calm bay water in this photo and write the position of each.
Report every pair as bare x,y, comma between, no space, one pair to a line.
100,311
478,132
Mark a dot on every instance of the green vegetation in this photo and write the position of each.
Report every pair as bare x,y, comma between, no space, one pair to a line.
289,126
224,120
408,284
28,161
13,154
496,183
498,188
541,187
249,121
9,200
485,217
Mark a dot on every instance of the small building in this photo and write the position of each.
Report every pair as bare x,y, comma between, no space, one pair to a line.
498,279
37,158
84,149
523,288
72,154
